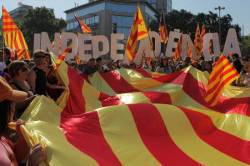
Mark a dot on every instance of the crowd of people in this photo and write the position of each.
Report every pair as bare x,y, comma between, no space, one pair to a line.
21,81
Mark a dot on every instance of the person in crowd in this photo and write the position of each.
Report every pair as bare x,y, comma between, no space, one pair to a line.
14,152
187,62
19,72
164,66
90,68
236,62
245,74
38,77
99,64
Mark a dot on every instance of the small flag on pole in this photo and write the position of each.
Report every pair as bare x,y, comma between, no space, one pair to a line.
13,37
138,32
162,29
83,26
222,75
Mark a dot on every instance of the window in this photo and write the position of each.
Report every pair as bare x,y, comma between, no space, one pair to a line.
121,8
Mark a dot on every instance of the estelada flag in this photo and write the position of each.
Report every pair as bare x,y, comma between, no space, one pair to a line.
222,75
138,32
84,27
13,37
162,29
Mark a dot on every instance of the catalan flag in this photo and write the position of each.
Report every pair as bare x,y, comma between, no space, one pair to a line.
198,40
13,37
134,117
163,30
138,32
62,56
84,27
177,53
222,75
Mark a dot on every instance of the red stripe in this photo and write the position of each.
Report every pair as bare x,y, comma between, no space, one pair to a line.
117,82
158,97
143,72
224,142
9,29
76,101
156,137
84,132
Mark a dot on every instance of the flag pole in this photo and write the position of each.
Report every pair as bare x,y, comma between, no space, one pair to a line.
3,37
164,22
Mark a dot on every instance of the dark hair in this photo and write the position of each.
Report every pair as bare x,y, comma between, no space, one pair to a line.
99,59
5,107
235,55
15,66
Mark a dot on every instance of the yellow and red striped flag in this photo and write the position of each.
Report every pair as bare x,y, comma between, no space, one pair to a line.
222,75
87,131
138,32
62,56
198,40
13,37
162,29
85,28
177,53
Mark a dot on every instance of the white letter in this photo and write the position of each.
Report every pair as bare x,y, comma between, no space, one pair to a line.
232,44
116,45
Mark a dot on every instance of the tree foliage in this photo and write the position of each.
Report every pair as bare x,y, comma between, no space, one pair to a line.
186,22
245,46
40,20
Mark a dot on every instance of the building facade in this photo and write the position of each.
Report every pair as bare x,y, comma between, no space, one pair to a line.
109,16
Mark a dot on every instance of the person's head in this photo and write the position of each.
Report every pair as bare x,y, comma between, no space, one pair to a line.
208,67
188,60
19,70
235,56
92,62
247,67
99,61
48,59
39,57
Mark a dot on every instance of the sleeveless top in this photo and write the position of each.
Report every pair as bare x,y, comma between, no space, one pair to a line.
41,81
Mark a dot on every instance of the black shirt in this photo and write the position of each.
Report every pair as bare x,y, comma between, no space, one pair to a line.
41,82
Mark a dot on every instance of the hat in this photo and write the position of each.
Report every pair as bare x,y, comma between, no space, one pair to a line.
7,93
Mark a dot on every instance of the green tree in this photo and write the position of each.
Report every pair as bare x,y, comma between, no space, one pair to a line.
245,46
40,20
186,22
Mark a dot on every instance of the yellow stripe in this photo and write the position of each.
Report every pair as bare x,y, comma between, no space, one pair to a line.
209,156
120,131
43,119
131,98
100,84
137,80
91,96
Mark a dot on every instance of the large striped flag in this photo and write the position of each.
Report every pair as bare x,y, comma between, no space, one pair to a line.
162,29
134,117
84,27
222,75
138,32
13,37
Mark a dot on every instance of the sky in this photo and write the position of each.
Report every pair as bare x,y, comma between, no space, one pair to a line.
238,9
